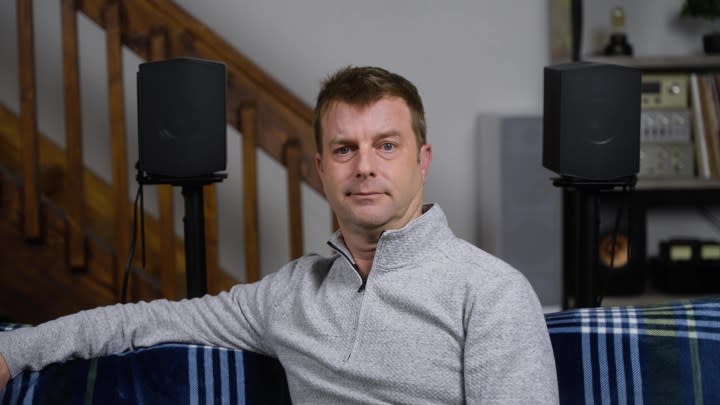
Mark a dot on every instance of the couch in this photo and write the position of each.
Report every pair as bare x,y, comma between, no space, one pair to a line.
655,354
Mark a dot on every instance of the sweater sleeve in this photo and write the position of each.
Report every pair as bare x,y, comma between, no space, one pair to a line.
508,357
234,319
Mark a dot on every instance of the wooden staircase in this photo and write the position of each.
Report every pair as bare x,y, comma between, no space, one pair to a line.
65,232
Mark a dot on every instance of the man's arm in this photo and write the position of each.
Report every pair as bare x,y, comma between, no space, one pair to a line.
234,319
508,357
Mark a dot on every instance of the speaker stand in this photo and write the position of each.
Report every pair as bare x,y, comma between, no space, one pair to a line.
585,225
193,225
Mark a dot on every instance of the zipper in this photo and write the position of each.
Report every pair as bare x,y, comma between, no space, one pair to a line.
360,290
353,264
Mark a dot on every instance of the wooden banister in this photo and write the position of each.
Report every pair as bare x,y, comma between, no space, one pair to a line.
248,128
28,120
181,18
118,140
267,115
275,112
278,111
74,168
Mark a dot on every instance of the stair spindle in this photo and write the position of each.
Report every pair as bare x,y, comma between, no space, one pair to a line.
28,121
74,170
118,141
212,248
248,127
167,263
293,161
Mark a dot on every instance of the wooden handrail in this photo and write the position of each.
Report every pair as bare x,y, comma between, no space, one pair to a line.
239,62
28,120
118,140
278,111
73,138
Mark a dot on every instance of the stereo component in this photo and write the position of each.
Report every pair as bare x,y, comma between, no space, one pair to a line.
662,159
665,126
664,91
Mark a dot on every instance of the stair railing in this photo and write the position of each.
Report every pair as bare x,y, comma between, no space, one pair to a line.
267,115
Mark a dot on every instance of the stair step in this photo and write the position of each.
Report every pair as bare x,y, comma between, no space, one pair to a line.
37,282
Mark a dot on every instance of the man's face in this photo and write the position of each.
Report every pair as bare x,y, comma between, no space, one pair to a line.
371,168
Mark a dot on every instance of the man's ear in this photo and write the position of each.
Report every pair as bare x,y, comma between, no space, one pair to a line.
318,165
425,159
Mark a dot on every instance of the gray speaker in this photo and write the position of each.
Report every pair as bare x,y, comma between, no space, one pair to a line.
520,209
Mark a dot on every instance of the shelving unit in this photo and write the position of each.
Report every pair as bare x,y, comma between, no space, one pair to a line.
663,64
649,192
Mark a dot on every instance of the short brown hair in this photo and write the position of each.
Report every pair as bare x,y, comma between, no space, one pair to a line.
362,86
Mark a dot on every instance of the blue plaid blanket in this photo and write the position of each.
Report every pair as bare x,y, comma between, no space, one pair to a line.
163,374
658,354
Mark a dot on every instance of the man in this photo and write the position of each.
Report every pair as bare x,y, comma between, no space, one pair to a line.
404,312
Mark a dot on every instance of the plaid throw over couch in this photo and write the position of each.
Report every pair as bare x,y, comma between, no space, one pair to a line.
658,354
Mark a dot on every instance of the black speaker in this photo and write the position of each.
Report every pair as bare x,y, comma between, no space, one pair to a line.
591,120
181,118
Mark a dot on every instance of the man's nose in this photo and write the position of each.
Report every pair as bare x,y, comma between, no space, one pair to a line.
365,163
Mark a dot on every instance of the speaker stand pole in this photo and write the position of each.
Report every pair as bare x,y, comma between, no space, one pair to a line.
194,223
587,270
586,225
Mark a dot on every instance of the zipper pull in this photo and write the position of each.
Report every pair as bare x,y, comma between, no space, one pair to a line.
364,280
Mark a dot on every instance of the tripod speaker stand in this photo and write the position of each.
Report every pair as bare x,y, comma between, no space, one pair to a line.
193,226
591,138
584,208
182,142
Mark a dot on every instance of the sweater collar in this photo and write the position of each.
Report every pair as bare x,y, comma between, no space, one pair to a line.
409,244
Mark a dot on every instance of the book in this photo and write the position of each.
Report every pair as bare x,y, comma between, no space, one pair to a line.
702,158
708,103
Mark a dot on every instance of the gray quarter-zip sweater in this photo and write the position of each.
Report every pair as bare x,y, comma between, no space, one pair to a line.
438,321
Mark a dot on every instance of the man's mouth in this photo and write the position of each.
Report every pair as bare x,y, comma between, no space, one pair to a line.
363,193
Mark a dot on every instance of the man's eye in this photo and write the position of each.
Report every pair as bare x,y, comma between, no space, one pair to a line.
343,150
388,147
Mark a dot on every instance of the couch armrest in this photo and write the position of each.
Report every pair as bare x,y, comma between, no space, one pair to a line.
652,354
163,374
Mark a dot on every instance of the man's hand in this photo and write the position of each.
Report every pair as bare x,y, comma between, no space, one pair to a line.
4,373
